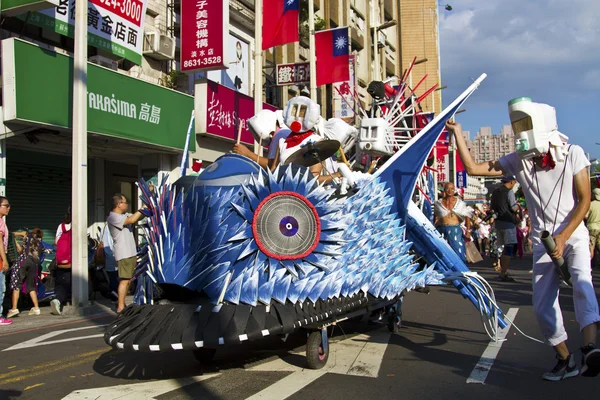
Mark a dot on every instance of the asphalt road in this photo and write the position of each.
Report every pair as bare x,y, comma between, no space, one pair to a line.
433,356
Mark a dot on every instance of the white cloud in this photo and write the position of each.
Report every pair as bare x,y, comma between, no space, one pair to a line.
524,46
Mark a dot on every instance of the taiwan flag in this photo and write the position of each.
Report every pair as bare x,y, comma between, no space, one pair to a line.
280,22
332,50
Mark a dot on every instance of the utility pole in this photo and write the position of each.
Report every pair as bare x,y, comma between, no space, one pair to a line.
311,50
258,63
79,169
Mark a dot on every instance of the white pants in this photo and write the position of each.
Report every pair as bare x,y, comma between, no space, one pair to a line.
546,288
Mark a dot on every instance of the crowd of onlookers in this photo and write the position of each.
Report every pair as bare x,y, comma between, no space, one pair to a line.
485,230
42,271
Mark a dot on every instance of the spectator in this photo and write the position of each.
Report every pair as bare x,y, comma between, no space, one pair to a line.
63,271
593,221
4,210
120,224
505,206
25,270
449,213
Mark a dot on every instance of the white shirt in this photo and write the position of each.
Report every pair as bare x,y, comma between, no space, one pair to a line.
59,231
549,202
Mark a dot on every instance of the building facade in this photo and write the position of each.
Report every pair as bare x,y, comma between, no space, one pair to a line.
385,36
419,38
488,146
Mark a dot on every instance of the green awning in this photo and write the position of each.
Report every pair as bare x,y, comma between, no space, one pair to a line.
37,89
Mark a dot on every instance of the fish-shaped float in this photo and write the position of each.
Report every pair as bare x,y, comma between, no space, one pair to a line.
239,253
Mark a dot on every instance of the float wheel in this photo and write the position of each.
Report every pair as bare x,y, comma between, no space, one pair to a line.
317,352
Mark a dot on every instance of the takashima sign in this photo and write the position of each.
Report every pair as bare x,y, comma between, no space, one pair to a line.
115,26
118,105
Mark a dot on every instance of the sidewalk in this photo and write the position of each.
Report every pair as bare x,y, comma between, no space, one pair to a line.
101,307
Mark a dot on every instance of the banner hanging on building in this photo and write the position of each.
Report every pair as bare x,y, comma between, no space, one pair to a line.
204,31
332,48
343,94
280,22
441,158
220,110
113,26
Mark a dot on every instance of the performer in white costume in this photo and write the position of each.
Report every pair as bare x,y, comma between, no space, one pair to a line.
301,116
555,181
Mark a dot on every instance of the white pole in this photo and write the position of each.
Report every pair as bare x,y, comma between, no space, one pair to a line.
258,62
79,182
311,50
376,19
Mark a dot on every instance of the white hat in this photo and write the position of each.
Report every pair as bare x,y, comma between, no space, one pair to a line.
596,193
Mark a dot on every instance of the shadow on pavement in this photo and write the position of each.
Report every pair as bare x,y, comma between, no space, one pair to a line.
9,394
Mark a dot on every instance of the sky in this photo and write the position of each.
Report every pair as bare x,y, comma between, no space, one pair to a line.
547,50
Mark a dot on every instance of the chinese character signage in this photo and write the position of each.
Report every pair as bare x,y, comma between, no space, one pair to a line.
118,105
204,30
293,74
343,94
220,110
441,155
115,26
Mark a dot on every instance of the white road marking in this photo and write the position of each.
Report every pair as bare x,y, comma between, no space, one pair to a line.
360,356
482,369
136,391
41,340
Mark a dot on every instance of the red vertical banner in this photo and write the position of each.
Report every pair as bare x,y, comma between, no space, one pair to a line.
204,31
441,155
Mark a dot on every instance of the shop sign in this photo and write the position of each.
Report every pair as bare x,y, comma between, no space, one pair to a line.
343,94
293,74
204,30
220,111
441,155
115,26
10,8
118,105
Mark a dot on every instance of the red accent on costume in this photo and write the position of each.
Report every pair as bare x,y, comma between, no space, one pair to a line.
295,126
294,139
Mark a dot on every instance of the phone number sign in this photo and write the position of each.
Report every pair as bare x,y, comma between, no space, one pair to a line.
204,31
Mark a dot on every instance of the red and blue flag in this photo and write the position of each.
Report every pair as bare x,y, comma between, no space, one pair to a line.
280,22
332,48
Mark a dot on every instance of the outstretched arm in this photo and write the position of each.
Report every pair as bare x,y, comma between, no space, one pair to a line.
488,168
241,149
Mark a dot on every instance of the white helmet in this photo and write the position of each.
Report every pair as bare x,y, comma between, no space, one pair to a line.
302,114
262,125
534,127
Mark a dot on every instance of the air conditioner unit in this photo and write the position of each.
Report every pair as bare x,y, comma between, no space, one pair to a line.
158,46
105,62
